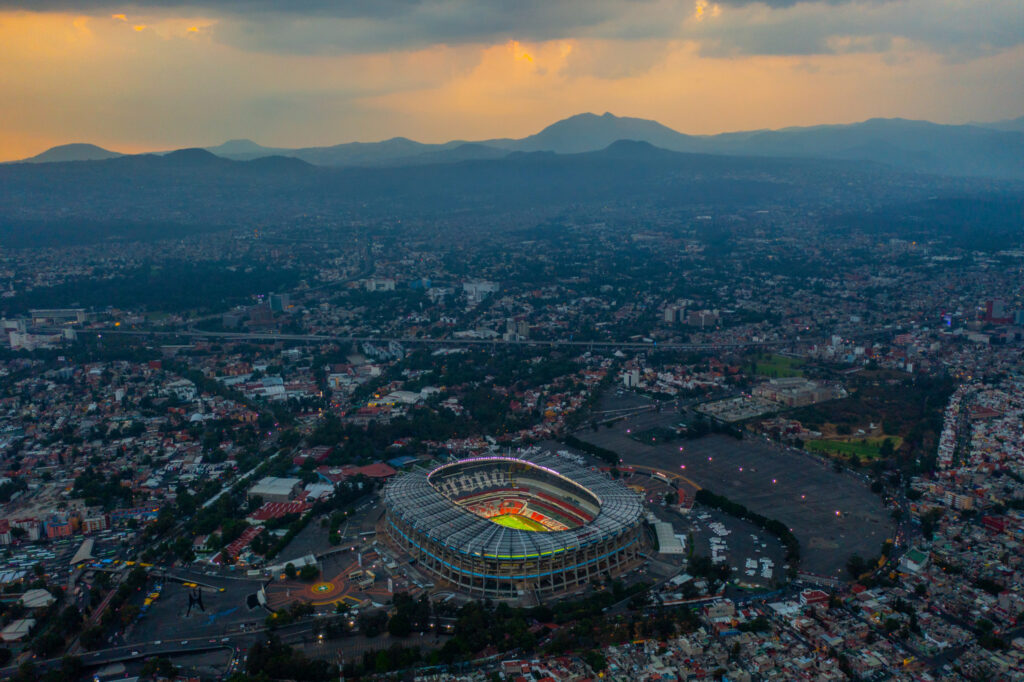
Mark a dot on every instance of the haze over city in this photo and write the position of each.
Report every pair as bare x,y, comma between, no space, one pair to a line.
160,75
452,341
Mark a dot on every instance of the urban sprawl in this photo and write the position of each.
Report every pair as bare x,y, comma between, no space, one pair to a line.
826,435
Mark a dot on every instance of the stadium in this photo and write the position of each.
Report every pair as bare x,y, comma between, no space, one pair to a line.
507,527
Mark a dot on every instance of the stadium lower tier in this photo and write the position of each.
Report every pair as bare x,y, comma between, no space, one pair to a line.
514,576
550,512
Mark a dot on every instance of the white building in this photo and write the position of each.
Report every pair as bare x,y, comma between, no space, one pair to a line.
275,489
478,290
380,284
182,389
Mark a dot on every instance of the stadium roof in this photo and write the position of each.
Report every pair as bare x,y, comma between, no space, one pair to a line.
412,497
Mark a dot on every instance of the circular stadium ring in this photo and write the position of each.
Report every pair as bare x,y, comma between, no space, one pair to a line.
507,527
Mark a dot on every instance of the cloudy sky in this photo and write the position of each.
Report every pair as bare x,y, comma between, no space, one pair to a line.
158,74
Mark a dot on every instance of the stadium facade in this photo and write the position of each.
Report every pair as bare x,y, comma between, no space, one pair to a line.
506,527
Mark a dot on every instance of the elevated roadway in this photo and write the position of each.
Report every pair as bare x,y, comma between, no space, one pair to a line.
426,341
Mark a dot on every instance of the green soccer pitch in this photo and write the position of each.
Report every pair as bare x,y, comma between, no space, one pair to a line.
517,521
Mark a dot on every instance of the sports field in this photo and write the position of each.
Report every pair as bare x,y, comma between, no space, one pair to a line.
867,448
778,366
517,521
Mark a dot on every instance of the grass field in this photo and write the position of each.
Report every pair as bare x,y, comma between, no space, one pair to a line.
516,521
866,448
777,366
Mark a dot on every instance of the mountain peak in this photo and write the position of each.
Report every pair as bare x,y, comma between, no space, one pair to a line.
241,147
588,131
635,150
632,146
240,144
191,156
77,151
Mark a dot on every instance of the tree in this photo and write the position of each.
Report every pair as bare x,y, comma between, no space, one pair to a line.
372,624
595,659
856,566
309,573
928,521
182,548
26,673
759,624
160,666
70,620
71,667
274,660
399,625
47,644
289,570
137,578
92,638
128,613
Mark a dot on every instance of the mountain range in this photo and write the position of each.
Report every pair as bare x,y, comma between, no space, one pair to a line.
979,149
168,196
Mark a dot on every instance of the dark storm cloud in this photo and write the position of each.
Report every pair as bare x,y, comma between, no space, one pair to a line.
725,27
311,26
374,8
958,30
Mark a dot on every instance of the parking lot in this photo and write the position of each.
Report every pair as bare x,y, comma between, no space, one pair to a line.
832,514
740,544
169,618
